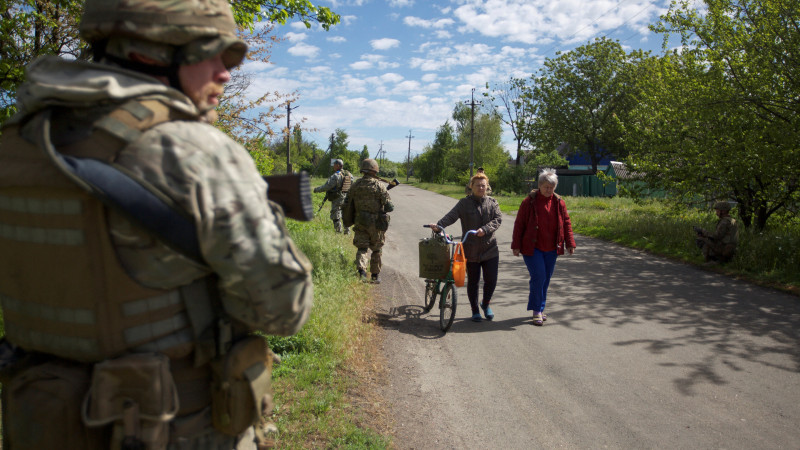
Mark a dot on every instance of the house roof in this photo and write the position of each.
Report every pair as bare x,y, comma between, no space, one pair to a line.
621,171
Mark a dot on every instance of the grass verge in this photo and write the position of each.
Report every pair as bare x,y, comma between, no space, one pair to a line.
769,258
325,384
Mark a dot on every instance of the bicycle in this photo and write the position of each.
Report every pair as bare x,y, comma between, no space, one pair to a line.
445,287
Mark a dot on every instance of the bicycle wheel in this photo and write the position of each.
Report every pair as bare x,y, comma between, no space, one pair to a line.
447,306
430,294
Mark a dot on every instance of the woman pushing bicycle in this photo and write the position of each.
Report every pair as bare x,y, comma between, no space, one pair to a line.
478,212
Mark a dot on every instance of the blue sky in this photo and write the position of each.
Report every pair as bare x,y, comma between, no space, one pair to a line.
394,66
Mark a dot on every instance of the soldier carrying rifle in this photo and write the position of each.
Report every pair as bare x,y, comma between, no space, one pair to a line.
139,248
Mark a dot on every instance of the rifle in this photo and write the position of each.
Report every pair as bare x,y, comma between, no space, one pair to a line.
391,184
324,199
293,193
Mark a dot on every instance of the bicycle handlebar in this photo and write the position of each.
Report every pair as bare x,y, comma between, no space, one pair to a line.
447,238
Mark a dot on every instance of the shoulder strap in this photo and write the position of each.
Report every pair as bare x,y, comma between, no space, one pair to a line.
133,197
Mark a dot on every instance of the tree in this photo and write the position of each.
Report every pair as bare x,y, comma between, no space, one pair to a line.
516,113
579,98
719,119
33,28
487,140
431,166
249,12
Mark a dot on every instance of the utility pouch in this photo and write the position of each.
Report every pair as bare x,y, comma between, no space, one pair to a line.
242,387
366,219
42,407
138,395
382,222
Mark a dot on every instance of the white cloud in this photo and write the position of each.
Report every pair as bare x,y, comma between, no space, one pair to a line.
361,65
301,49
384,43
443,34
401,3
295,37
536,21
391,77
348,20
336,39
429,77
298,26
424,23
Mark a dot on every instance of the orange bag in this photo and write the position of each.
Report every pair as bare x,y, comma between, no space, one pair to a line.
459,265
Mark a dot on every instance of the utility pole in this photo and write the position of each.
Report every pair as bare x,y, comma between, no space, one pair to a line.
378,156
288,135
472,104
408,161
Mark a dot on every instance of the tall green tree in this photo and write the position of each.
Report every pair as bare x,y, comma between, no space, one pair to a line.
578,99
721,119
431,165
487,148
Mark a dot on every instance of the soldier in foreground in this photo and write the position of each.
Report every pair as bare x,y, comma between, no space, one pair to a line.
139,250
367,210
720,245
336,189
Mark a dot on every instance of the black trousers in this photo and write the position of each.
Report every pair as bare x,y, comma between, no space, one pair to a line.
474,269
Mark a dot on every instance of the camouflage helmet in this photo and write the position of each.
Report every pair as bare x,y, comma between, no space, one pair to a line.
369,165
169,31
722,206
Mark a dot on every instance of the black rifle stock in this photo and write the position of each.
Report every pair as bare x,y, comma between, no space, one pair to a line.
293,193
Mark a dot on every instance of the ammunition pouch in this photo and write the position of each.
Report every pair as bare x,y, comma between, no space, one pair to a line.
332,195
382,222
241,391
41,406
138,395
366,219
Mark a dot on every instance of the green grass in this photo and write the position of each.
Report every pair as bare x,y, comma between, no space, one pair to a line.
311,383
770,258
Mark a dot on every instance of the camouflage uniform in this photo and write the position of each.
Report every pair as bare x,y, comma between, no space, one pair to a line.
333,192
368,198
720,245
263,281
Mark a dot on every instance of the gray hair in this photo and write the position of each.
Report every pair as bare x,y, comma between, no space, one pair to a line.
548,176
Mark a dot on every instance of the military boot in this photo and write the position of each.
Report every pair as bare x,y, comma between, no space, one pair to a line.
376,278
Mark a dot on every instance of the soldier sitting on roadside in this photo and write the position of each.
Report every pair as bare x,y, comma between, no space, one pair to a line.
720,245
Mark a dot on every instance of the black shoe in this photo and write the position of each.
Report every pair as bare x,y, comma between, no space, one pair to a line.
362,275
376,278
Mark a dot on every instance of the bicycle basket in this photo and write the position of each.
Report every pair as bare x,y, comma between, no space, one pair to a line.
434,258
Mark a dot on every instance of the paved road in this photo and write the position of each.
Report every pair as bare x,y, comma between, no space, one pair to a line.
638,352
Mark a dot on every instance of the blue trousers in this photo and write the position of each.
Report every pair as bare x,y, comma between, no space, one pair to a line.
540,267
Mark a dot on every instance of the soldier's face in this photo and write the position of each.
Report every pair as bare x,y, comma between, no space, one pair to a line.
204,82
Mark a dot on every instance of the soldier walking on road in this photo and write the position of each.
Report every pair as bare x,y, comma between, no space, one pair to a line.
336,189
367,210
139,249
720,245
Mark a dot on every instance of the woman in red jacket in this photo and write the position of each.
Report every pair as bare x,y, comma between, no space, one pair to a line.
541,231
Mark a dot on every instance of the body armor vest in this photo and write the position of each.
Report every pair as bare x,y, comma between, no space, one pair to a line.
62,287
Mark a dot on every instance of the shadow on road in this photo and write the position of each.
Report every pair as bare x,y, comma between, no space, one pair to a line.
723,322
